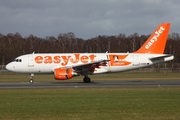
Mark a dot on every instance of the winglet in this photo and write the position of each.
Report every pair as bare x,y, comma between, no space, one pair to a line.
157,41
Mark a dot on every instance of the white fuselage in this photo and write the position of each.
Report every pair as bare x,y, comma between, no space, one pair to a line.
46,63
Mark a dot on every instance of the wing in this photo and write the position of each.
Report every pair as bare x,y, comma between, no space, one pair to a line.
89,68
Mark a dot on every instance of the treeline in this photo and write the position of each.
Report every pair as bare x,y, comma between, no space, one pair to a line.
13,45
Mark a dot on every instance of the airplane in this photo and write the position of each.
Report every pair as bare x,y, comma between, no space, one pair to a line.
66,66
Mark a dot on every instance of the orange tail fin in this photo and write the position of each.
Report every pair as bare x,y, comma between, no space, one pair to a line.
157,41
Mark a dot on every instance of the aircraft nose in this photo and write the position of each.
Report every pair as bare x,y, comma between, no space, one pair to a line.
9,67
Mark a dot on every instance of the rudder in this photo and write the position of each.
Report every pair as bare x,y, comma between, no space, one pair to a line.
157,41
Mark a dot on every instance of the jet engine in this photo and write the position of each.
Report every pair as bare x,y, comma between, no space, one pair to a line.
63,73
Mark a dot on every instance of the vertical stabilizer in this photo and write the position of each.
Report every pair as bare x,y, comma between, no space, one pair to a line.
157,41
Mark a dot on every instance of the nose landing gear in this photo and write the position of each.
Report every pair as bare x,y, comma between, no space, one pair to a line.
31,78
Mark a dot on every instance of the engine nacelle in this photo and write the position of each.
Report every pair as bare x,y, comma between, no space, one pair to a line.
63,73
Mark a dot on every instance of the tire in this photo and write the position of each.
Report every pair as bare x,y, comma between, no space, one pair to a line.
87,80
31,81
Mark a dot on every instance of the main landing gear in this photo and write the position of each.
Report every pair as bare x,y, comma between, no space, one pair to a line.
31,78
86,79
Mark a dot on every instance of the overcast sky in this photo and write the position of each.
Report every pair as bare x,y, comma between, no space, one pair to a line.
87,18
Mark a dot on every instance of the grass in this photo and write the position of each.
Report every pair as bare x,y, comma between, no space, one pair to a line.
161,103
91,103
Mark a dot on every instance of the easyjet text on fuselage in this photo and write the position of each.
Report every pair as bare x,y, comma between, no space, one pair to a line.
63,60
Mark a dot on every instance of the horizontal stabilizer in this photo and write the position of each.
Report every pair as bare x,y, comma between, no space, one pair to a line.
165,57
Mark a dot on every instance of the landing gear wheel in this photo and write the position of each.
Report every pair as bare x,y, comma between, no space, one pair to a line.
87,80
31,81
31,78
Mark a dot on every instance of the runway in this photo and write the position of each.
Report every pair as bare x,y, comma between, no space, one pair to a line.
94,84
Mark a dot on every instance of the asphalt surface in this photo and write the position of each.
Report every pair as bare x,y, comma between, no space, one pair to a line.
94,84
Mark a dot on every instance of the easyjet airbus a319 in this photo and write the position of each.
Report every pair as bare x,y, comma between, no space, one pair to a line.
66,66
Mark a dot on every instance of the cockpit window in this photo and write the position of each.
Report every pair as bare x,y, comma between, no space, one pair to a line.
17,60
